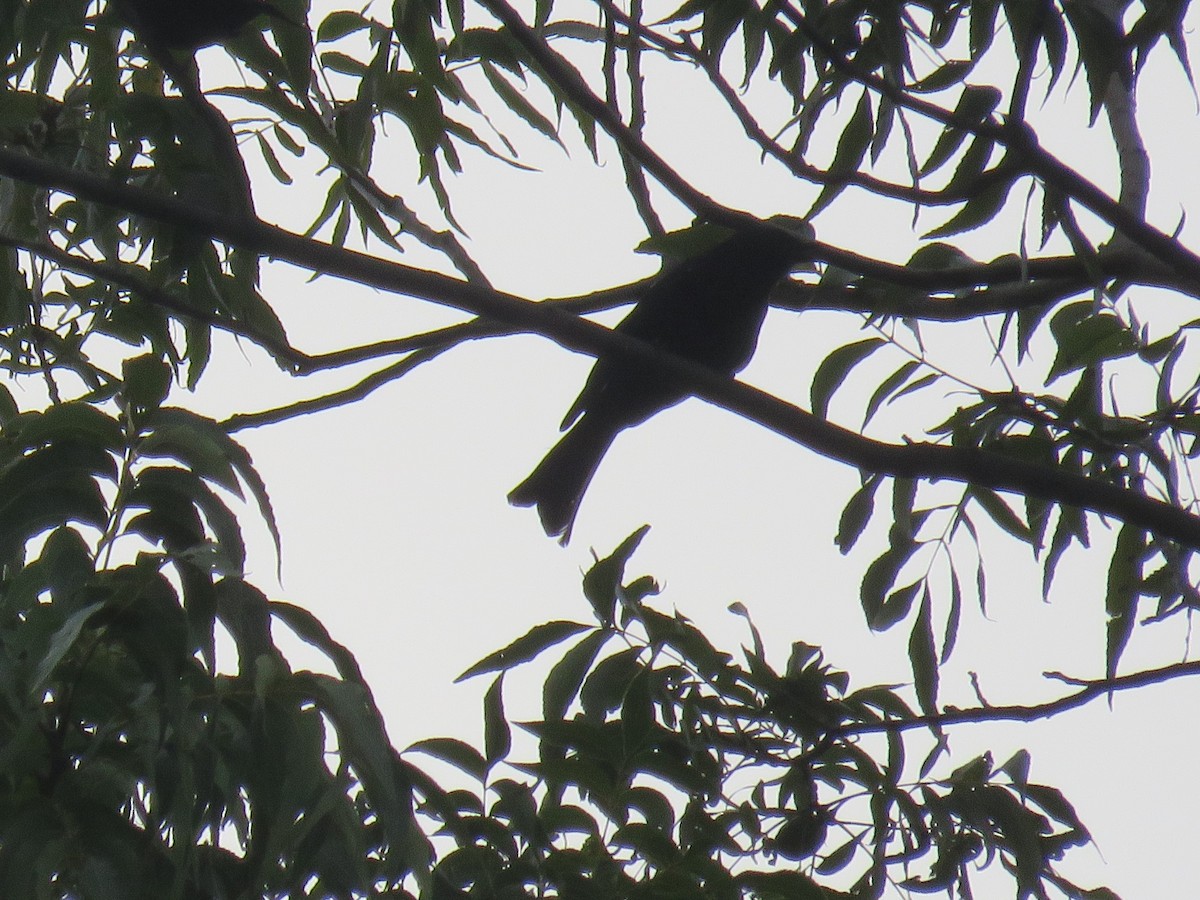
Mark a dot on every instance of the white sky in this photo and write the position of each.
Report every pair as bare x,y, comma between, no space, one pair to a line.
397,533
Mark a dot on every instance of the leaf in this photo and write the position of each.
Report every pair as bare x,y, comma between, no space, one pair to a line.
837,859
274,166
147,381
497,738
461,755
1001,513
833,371
851,150
1017,768
637,713
340,24
562,684
895,607
363,745
951,72
60,645
205,447
524,648
647,843
979,209
950,636
922,654
1120,602
976,104
602,583
878,604
856,515
313,632
604,689
887,387
1088,340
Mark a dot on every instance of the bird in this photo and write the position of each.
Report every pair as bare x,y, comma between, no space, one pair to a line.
708,309
188,25
171,32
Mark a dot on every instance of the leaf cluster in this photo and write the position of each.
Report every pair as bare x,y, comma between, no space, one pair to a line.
666,768
133,763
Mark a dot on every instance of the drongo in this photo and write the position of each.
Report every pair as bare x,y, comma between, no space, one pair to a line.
708,309
191,24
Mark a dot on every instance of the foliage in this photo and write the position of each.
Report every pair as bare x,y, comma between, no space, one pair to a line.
681,772
152,732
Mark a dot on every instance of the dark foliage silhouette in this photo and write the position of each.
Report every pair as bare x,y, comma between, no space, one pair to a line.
190,24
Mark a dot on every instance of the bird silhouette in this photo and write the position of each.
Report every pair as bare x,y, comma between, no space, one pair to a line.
707,309
190,24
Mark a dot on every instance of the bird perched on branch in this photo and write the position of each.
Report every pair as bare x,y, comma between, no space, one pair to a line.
171,31
191,24
707,309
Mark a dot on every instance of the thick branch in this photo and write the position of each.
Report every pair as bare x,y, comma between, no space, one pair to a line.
927,461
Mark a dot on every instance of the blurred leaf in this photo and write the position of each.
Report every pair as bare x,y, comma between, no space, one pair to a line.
1124,580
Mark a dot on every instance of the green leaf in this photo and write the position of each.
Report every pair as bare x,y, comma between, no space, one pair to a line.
340,24
516,102
363,744
525,648
1086,340
274,166
61,644
848,157
833,371
976,104
637,712
647,843
313,632
922,654
887,388
856,515
1001,513
604,690
497,738
953,616
603,582
895,607
1120,602
980,209
147,381
838,859
562,684
950,73
883,608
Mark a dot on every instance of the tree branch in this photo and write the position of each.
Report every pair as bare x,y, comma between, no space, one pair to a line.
928,461
1092,690
1021,141
567,78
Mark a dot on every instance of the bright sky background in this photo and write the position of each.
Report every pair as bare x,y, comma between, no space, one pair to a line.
398,535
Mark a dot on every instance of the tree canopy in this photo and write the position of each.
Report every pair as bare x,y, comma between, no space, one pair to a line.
1023,376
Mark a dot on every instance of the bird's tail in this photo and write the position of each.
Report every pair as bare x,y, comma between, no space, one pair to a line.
556,487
